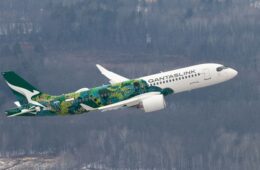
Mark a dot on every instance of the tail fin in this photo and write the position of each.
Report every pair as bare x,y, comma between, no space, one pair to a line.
21,88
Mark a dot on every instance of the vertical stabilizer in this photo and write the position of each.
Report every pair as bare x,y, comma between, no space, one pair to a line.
21,88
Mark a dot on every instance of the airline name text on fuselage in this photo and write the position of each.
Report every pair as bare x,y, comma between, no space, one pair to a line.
171,76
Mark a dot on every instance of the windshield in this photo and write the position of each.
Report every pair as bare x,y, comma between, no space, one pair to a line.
221,68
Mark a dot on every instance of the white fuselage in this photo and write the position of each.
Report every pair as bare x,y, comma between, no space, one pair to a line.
193,77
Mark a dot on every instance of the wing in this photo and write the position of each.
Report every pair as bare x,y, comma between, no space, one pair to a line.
113,77
129,102
82,89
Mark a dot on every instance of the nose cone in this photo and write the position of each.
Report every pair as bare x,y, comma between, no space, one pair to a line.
232,73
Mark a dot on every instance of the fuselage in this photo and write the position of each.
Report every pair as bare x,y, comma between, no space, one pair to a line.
174,81
95,97
193,77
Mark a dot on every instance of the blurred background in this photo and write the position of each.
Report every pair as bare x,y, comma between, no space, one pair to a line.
55,44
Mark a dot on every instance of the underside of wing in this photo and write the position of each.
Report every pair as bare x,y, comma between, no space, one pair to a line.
113,77
129,102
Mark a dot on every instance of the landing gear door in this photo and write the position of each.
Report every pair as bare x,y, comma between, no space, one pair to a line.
207,75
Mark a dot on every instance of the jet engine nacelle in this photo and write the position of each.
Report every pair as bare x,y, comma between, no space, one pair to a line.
153,103
37,109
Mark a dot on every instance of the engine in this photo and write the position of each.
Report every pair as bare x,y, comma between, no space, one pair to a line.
153,103
37,109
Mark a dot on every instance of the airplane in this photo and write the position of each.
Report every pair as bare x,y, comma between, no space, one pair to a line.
146,93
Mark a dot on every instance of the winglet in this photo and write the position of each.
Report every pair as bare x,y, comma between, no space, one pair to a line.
113,77
101,69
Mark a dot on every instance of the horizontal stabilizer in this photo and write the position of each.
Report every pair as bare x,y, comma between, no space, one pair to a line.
21,112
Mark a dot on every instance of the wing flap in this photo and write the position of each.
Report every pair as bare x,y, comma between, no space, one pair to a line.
86,107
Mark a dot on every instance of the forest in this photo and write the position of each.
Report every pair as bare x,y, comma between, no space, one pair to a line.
55,44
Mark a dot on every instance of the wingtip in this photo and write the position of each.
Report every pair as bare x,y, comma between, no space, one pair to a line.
101,68
5,72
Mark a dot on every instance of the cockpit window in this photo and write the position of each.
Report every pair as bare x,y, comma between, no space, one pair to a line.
221,68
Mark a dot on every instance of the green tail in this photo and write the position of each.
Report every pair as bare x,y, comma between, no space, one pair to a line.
21,88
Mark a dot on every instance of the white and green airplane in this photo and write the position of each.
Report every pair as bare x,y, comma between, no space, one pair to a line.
146,93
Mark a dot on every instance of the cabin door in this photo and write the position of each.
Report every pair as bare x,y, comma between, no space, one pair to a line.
207,75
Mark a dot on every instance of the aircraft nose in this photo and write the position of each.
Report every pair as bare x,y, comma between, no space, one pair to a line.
233,73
